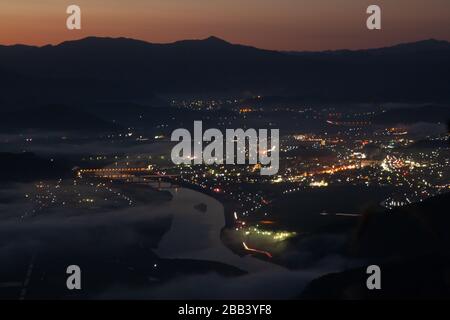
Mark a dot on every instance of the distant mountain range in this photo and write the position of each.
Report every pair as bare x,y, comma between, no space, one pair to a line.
121,68
53,118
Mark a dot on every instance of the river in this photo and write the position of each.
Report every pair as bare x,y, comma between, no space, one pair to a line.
195,234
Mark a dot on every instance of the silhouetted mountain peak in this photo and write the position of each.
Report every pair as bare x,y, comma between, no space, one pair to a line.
214,39
102,41
432,43
210,42
423,45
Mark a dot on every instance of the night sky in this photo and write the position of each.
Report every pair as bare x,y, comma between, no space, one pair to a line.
271,24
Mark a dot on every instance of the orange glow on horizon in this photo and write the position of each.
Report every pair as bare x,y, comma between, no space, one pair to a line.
271,24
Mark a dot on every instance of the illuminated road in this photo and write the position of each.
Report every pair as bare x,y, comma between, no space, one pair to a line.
340,214
268,254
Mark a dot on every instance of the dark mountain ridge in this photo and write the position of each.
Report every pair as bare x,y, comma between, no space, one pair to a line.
122,68
53,118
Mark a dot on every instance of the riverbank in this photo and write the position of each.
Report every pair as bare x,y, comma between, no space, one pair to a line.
197,235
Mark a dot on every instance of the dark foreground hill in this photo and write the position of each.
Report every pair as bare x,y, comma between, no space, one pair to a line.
424,277
412,247
416,229
120,68
24,167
